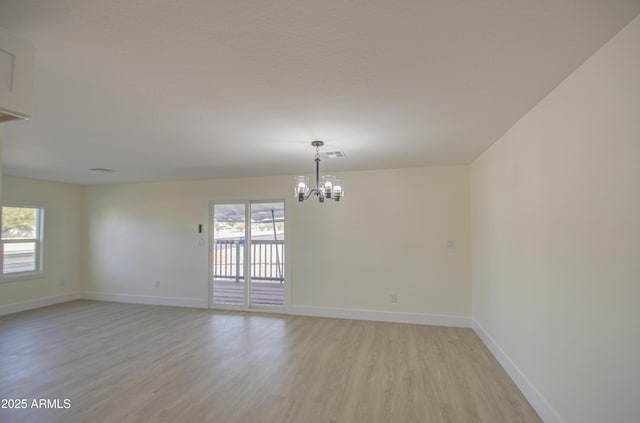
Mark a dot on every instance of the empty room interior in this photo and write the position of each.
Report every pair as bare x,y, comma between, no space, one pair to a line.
320,211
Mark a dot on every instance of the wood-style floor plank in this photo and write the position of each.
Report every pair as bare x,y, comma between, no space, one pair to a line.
137,363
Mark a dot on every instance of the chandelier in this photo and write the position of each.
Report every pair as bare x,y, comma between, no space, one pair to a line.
326,187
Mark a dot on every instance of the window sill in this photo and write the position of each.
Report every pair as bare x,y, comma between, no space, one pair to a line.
12,277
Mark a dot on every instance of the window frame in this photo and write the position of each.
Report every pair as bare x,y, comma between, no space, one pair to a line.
38,240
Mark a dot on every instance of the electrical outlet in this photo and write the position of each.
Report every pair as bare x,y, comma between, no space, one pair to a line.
393,298
452,244
157,284
62,283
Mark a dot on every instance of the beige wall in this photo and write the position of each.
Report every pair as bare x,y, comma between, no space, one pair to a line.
62,238
388,235
1,145
555,208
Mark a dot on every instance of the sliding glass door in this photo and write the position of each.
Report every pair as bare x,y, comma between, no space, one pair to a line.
267,254
229,236
248,255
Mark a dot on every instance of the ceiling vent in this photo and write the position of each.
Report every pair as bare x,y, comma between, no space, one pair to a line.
332,154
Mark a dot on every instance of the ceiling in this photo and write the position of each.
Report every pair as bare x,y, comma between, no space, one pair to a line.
198,89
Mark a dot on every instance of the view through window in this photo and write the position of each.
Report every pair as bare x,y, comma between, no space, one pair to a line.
21,240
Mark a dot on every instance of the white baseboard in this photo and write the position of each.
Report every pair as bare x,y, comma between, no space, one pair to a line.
37,303
146,299
382,316
340,313
535,398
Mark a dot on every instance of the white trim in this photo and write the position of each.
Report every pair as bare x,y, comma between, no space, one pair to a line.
21,276
146,299
535,398
382,316
37,303
14,114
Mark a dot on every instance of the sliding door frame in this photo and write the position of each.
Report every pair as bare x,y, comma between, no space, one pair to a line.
247,306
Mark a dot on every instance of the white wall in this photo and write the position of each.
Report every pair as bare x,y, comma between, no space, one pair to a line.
62,249
388,235
555,208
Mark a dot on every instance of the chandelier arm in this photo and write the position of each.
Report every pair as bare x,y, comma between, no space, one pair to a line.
311,192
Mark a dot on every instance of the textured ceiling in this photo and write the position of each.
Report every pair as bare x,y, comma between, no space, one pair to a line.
190,89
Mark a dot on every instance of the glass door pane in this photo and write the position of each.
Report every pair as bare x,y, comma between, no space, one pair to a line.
266,264
229,254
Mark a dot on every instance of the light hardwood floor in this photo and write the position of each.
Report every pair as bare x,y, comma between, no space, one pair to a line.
137,363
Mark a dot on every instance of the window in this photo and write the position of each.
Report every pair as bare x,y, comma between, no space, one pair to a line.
22,229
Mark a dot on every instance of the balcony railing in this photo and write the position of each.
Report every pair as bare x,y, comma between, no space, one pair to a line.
267,260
